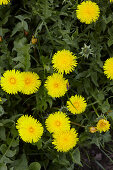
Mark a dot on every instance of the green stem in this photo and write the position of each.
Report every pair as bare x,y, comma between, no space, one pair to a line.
77,124
95,111
34,60
92,104
47,30
7,149
71,102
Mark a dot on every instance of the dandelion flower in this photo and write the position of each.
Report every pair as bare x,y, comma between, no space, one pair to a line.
77,104
1,39
92,129
103,125
34,40
108,68
65,140
57,121
56,85
4,2
31,82
30,130
11,82
64,61
87,12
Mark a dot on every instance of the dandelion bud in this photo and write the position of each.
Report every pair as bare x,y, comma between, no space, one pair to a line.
92,129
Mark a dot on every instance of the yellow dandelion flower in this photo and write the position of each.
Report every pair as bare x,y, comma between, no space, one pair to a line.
103,125
56,85
92,129
4,2
111,1
65,140
11,82
108,68
30,130
64,61
77,104
31,82
57,121
87,12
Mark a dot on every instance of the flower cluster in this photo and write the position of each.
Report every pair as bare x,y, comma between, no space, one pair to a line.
64,138
55,84
13,82
30,130
101,126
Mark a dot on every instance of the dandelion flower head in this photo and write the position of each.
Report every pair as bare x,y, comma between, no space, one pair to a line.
108,68
92,129
4,2
65,140
56,85
57,121
77,104
87,12
31,82
30,130
64,61
11,81
103,125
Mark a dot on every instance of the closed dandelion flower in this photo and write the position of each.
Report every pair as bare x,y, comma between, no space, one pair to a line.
108,68
4,2
34,40
31,82
64,61
1,39
92,129
30,130
103,125
11,82
56,85
87,12
65,140
77,104
57,121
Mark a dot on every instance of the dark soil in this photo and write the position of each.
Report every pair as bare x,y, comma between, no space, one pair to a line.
97,159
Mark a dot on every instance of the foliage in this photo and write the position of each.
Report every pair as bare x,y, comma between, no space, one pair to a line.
56,27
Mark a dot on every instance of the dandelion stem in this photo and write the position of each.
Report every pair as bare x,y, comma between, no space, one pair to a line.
71,102
7,150
77,124
95,111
